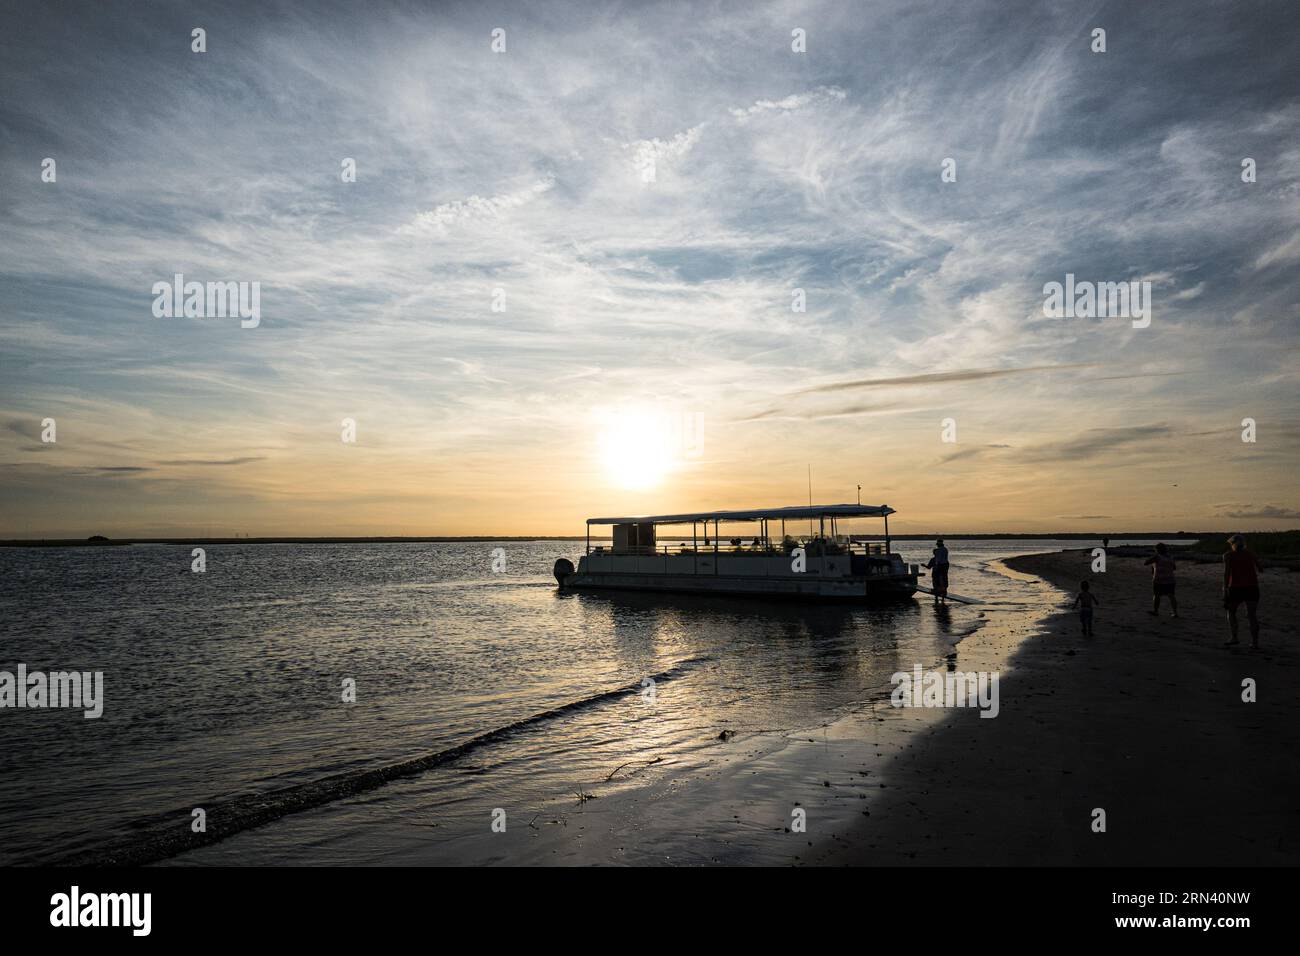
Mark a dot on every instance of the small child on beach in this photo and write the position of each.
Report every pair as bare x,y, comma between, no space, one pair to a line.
1085,601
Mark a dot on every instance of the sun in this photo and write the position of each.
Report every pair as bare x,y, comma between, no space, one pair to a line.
634,449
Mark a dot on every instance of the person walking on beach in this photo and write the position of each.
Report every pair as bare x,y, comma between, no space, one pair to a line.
1162,580
938,565
1085,601
1241,585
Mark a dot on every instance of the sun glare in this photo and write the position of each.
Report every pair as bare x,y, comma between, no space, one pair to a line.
635,450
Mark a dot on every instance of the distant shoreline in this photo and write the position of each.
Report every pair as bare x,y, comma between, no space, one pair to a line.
452,539
288,539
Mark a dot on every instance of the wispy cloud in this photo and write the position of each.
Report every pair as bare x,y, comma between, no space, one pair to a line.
649,156
840,411
1098,441
795,101
476,208
932,378
219,462
1261,511
972,451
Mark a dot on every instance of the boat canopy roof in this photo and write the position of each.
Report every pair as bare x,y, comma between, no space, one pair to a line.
755,514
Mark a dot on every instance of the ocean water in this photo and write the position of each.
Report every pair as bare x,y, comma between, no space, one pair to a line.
224,690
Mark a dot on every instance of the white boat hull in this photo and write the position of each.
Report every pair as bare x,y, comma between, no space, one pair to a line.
824,579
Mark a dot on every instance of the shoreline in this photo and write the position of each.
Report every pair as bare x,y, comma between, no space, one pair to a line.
736,807
1144,720
1133,722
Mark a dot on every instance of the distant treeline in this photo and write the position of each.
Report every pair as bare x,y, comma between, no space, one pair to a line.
1266,544
101,541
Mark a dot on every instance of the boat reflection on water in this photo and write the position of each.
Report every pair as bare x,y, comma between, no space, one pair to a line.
771,650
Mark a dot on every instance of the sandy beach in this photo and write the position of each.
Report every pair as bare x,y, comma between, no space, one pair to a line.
1145,720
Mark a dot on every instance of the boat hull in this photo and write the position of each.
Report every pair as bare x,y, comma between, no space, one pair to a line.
857,589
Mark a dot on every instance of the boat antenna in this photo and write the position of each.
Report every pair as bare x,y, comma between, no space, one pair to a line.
810,531
859,494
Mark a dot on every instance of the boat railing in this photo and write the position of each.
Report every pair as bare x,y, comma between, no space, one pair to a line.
813,546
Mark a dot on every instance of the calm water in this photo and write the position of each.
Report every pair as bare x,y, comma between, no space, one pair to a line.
228,684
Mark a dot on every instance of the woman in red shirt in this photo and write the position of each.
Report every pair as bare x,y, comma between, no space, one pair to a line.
1241,584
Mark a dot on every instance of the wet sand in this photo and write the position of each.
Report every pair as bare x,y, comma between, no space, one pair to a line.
1145,720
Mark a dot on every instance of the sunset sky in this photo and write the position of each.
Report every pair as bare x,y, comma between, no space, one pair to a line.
640,189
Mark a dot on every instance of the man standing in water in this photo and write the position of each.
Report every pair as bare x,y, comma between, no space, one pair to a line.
938,566
1241,584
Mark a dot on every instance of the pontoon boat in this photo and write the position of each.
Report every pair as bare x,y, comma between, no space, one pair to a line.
821,565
